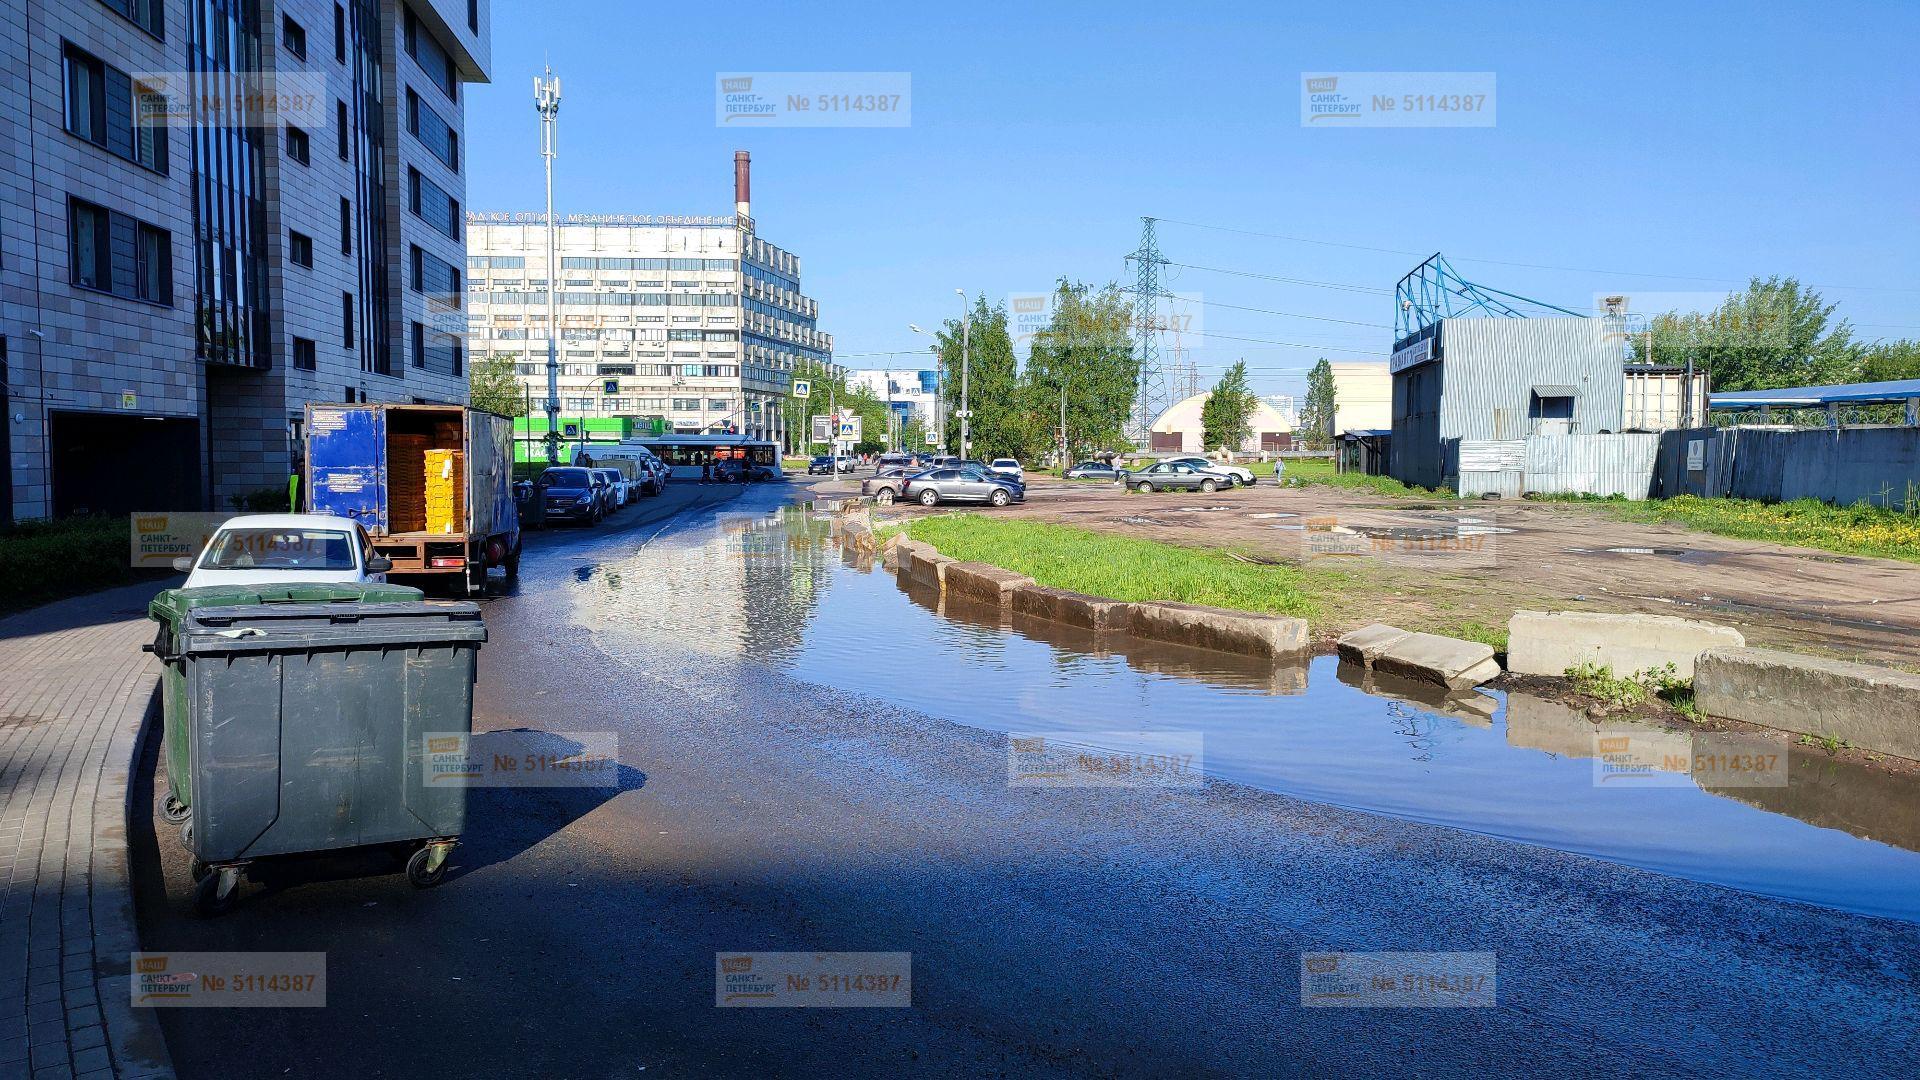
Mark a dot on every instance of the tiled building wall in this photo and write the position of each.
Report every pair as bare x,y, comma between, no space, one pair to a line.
97,348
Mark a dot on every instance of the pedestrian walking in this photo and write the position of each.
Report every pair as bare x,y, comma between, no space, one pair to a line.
706,472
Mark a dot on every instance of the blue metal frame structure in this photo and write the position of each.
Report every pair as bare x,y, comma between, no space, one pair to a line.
1434,290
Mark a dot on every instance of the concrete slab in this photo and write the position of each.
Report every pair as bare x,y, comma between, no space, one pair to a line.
1427,658
1072,608
924,565
1872,707
1216,628
1550,642
984,582
1442,661
1364,645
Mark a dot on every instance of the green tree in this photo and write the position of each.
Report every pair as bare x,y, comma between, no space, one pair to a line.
1226,419
1004,424
491,386
1775,333
1886,361
1084,359
1316,413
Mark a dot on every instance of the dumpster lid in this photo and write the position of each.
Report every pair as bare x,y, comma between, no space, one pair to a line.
286,627
172,605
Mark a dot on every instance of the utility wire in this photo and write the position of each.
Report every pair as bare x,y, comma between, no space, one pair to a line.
1504,262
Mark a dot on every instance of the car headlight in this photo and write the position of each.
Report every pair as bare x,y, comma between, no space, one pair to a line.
583,500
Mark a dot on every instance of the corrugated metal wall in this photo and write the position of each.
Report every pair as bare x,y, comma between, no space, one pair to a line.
1880,465
1493,365
1482,387
1592,464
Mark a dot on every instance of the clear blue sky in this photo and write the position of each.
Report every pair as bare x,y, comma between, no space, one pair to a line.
1710,140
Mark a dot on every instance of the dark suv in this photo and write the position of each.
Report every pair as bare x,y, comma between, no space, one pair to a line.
570,494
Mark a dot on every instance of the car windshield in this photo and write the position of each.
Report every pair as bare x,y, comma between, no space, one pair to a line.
279,549
565,478
1005,463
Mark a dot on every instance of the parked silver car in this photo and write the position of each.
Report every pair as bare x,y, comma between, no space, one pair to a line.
1174,476
962,484
884,485
1240,474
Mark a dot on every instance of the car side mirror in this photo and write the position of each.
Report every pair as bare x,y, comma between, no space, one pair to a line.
379,564
183,564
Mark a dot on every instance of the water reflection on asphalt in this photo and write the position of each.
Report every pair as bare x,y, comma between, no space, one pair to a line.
775,588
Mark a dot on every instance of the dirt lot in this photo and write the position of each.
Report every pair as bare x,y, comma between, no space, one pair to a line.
1440,564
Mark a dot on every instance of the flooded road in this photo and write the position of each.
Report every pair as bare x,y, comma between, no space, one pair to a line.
1513,766
812,760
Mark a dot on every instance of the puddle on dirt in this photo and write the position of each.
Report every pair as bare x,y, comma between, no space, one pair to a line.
1426,532
775,588
1645,551
1271,514
1199,509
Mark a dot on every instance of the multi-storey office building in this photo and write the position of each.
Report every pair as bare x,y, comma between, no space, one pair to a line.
911,392
213,212
687,324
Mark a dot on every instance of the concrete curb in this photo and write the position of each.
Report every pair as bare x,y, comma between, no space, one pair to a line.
1874,708
1072,608
1218,628
1550,642
984,582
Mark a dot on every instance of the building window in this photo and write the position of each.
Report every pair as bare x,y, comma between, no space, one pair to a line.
432,204
346,319
419,345
303,354
300,248
106,107
339,33
346,226
344,128
293,38
432,131
88,235
432,57
93,235
148,15
436,277
297,147
473,15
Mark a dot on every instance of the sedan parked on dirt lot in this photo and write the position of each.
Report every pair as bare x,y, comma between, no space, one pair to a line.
884,486
1168,476
1239,474
1009,467
962,484
1093,470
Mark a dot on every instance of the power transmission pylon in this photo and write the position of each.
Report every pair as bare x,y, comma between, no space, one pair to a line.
1150,396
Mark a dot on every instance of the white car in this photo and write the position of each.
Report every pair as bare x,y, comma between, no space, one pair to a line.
261,549
1010,466
1241,474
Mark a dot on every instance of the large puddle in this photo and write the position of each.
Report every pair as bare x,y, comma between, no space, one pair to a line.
777,588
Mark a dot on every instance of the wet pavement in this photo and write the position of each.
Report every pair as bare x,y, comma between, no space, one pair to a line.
813,757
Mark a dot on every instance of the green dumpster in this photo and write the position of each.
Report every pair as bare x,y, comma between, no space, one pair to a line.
170,608
301,720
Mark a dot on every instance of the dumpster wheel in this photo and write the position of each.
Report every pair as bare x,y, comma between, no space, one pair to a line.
428,866
175,811
214,894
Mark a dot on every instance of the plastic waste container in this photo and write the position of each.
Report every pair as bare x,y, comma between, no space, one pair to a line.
304,722
170,608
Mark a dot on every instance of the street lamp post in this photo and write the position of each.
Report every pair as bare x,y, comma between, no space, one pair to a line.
546,99
966,414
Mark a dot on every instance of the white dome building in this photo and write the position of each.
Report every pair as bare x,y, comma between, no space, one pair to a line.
1178,429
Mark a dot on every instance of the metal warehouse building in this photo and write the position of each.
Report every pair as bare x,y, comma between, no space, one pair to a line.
1480,386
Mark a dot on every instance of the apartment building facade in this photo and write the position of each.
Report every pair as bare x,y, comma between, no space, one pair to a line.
686,325
213,212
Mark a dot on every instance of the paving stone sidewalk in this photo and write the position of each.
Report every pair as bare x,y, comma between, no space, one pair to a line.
75,693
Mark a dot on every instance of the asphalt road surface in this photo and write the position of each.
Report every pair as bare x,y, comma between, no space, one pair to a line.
1069,932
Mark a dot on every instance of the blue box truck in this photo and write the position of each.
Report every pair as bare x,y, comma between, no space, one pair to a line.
368,462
